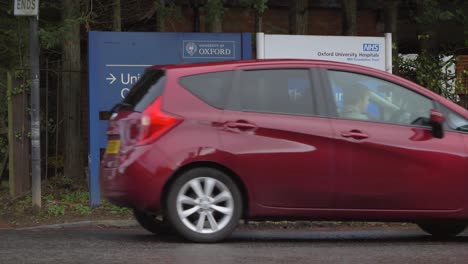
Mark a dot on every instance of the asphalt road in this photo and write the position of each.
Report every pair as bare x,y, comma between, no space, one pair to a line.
134,245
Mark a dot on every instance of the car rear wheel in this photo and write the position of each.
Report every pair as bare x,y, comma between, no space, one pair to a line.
443,230
204,205
152,223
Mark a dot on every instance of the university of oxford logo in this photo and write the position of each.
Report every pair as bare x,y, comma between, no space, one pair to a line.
191,48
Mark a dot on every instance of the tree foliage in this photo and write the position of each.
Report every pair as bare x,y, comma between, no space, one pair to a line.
166,12
214,14
260,6
435,72
432,13
13,54
434,67
13,37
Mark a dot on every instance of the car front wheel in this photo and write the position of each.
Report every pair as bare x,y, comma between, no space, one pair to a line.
204,205
443,230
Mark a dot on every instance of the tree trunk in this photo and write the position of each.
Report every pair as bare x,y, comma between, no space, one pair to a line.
465,25
426,32
214,13
258,22
391,24
71,90
349,9
196,19
298,17
161,16
117,25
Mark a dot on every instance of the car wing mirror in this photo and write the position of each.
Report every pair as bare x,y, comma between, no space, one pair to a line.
437,123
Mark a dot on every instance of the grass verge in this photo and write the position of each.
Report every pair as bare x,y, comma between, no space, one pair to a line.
63,200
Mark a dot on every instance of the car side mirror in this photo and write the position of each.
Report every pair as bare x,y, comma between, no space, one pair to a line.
437,123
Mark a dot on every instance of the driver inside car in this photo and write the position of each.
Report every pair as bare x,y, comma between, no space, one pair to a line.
355,103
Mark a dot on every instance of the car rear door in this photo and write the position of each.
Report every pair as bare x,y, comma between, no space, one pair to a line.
280,144
391,161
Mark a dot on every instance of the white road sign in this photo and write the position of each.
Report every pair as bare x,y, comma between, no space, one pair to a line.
26,7
372,52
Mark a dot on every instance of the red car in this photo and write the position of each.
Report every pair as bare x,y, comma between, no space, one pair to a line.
205,145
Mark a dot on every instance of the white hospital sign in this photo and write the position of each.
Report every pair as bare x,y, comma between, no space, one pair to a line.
372,52
26,7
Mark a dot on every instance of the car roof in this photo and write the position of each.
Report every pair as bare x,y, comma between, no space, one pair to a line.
258,62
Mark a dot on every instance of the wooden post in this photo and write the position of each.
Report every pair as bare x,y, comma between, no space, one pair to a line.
11,138
3,165
18,140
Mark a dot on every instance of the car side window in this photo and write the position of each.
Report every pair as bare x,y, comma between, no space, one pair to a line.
281,91
362,97
212,88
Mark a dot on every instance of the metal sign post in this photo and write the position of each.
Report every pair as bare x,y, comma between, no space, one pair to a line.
35,114
31,8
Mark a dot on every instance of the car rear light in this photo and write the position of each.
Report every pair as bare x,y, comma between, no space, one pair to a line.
154,123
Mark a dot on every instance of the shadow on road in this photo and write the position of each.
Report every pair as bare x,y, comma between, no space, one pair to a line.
352,237
297,236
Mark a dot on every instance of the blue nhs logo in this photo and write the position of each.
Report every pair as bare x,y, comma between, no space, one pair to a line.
370,47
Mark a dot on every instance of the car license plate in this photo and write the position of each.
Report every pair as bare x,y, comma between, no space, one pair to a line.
113,147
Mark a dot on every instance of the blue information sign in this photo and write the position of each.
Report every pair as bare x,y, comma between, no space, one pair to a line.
118,59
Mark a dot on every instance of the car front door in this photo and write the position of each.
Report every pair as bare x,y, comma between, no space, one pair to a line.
390,160
280,146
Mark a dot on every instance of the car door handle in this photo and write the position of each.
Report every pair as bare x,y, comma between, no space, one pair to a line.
354,134
241,125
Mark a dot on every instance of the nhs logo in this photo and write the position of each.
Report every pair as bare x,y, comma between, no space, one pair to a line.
370,47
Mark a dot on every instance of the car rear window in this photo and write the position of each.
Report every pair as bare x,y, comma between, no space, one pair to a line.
145,90
212,88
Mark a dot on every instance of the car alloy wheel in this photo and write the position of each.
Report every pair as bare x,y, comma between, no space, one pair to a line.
210,208
204,205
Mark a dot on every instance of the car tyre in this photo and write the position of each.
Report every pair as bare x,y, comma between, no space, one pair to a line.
443,230
152,223
204,205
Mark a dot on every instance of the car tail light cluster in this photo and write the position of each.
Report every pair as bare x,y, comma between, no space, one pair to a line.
154,123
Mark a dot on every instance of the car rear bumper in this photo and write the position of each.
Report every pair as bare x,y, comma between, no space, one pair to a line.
138,181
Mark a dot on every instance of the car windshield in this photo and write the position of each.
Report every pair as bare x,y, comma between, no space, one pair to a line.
457,122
